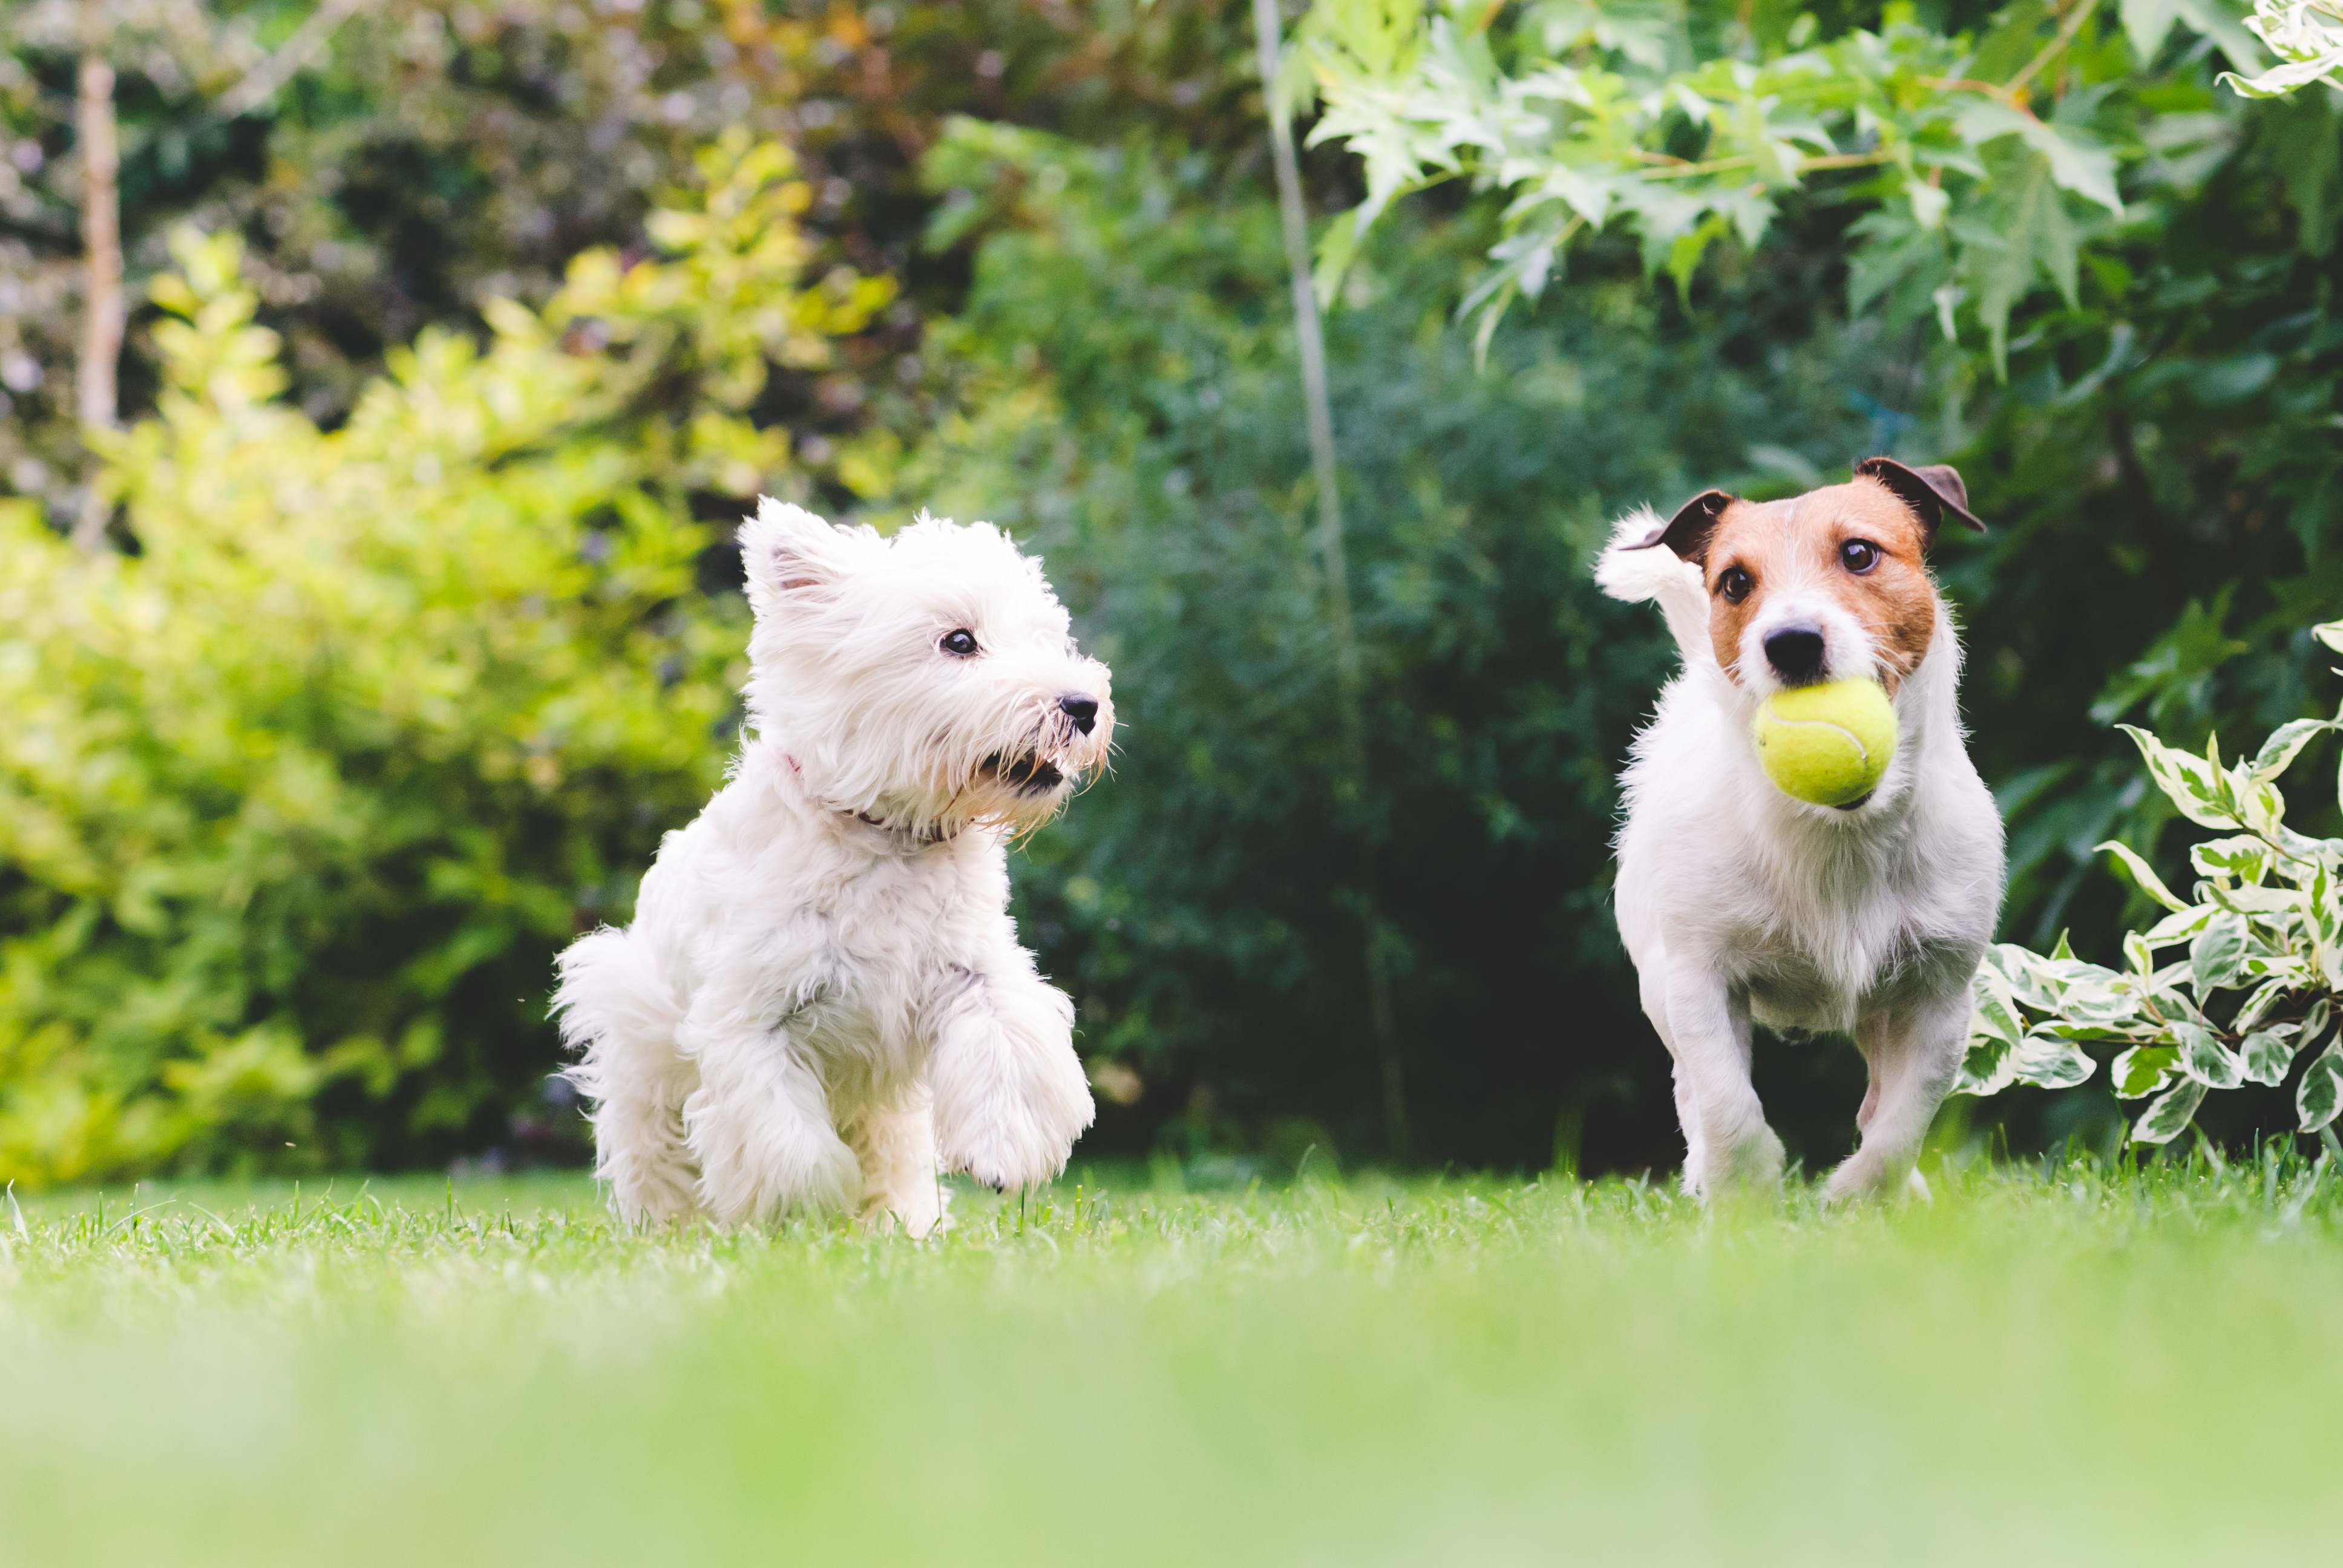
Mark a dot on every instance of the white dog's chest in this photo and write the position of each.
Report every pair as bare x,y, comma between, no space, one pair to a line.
1811,956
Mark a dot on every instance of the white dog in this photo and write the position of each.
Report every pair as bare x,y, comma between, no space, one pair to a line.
1737,902
822,1002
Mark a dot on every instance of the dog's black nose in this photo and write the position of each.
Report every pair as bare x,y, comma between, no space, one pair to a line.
1084,710
1796,655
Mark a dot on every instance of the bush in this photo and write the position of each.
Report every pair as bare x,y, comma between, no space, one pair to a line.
298,798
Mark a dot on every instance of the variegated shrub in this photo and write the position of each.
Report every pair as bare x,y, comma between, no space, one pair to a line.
2235,985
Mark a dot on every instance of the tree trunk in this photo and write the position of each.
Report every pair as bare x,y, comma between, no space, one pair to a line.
101,238
1381,1022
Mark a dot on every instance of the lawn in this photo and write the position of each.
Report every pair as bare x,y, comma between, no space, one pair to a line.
2061,1366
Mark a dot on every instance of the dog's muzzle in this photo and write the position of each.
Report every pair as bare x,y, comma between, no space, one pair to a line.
1796,652
1028,775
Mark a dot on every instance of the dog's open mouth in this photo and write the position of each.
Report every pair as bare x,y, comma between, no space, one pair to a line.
1028,775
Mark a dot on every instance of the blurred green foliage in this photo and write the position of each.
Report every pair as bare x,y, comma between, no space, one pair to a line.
297,801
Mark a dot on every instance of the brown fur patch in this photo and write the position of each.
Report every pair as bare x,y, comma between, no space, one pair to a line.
1896,601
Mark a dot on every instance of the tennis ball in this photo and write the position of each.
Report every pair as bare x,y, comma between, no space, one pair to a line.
1829,744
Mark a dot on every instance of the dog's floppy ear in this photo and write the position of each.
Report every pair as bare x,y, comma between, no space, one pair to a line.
1932,492
1687,532
786,550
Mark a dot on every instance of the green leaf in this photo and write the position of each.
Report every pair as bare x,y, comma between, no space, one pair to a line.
2168,1117
1995,1030
2242,858
2145,21
2190,783
2027,232
2216,955
1997,1012
2325,924
2204,1058
2218,20
2258,1005
2268,1055
2049,1062
2320,1094
2145,875
2178,926
2142,1069
2283,746
2072,160
1337,248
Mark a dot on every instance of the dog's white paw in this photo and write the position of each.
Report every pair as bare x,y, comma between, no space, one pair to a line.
1752,1162
1019,1145
917,1213
1863,1176
1010,1094
754,1181
652,1196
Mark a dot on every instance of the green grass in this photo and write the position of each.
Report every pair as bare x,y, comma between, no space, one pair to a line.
2076,1366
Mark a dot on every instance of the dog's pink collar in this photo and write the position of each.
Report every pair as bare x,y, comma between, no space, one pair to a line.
932,835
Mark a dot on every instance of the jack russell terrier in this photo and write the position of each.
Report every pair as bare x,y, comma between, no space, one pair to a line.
1737,902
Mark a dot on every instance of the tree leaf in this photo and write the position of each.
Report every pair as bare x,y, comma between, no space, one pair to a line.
2204,1058
2167,1116
2190,783
2178,926
1994,1029
2258,1005
2323,922
2268,1056
2145,21
2320,1094
2285,742
2241,858
2216,955
2142,1069
2049,1062
2145,875
2025,231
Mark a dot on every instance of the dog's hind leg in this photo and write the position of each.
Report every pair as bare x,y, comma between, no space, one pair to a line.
1705,1027
760,1123
1915,1052
619,1015
902,1178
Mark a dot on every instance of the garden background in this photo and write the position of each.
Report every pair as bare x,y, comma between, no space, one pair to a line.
401,619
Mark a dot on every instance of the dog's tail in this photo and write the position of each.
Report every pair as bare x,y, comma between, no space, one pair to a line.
1629,569
611,998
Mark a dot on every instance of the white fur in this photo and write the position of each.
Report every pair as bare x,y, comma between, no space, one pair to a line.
1737,902
821,1003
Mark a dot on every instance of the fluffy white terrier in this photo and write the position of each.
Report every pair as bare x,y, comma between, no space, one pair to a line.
1739,902
821,1003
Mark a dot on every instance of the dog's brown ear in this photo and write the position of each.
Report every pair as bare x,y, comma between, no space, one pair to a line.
1932,492
1687,532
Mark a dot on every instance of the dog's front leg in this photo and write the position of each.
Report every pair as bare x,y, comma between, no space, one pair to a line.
902,1179
760,1124
1010,1094
1914,1050
1706,1026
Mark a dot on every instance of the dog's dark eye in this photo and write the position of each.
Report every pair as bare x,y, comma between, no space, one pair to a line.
961,642
1734,585
1859,556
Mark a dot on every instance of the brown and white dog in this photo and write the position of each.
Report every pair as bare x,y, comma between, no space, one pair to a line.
1738,902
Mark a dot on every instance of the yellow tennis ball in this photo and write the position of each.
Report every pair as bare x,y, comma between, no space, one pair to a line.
1829,744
